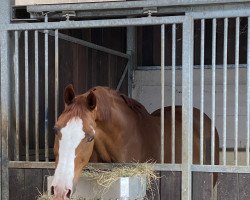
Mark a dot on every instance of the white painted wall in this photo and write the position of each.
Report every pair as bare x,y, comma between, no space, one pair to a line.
147,91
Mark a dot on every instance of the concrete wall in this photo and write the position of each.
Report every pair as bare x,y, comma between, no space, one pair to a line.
147,91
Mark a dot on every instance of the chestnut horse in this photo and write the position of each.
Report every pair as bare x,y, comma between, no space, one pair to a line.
103,125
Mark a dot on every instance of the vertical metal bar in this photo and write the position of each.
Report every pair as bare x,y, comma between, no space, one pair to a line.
213,90
162,88
187,107
237,44
173,89
202,90
248,91
5,113
56,75
26,58
46,93
224,145
131,50
36,97
16,74
5,44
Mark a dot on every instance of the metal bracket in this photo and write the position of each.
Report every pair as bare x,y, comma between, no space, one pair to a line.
68,14
150,11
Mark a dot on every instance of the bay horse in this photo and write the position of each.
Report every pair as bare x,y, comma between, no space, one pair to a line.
103,125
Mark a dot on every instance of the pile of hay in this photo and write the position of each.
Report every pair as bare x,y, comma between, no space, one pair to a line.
45,196
105,178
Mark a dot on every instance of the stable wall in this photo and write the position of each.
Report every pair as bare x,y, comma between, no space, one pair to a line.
147,90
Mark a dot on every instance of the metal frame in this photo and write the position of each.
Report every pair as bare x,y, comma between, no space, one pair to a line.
126,5
187,79
131,49
134,8
5,99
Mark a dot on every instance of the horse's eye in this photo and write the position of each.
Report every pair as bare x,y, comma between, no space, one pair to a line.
90,138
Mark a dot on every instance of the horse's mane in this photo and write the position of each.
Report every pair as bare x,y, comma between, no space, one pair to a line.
137,107
103,95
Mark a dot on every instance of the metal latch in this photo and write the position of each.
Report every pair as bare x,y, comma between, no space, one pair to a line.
68,14
150,11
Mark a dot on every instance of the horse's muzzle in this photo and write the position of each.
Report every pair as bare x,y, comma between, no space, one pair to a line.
60,193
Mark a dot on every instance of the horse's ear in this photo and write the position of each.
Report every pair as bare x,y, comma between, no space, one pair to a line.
69,94
91,100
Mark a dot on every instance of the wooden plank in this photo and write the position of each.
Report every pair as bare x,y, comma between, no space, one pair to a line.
156,45
202,186
33,183
147,46
35,2
227,186
16,184
244,186
171,185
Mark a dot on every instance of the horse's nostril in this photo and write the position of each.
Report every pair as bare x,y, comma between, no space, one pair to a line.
52,190
69,193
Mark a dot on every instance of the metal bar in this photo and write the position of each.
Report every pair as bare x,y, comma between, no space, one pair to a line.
243,12
139,12
248,91
56,74
123,5
237,44
202,91
213,90
5,105
26,52
17,108
162,89
46,63
122,77
224,145
89,44
173,89
131,51
36,97
51,165
221,168
5,113
187,108
145,21
179,67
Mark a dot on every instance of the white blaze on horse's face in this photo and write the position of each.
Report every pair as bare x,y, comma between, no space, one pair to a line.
72,135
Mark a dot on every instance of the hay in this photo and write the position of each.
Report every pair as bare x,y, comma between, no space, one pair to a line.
45,196
105,178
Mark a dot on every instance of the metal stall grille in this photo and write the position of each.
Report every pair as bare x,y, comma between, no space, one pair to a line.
53,28
221,58
30,80
228,68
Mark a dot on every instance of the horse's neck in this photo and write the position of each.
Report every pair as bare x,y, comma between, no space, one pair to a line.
114,135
